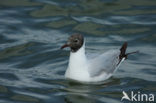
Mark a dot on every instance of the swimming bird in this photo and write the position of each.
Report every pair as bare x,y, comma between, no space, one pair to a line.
97,69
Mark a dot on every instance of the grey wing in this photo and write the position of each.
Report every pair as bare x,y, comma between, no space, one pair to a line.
107,62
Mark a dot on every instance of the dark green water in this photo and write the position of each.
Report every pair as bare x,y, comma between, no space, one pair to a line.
32,66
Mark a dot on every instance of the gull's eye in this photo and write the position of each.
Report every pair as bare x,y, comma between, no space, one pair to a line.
76,40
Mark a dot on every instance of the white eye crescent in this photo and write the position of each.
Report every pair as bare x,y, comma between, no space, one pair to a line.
76,40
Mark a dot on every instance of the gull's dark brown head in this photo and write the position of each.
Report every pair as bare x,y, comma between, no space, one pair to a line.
75,42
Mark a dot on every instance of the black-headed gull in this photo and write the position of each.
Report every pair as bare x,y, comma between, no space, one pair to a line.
97,69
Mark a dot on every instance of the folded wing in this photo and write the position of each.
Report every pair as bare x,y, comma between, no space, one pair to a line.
105,63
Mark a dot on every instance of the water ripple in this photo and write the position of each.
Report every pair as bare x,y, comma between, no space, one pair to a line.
116,20
32,66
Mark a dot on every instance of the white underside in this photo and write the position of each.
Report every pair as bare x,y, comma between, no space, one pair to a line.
95,70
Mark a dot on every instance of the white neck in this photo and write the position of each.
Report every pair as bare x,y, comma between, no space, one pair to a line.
78,66
78,58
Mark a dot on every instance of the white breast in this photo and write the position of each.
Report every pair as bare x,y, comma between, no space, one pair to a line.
78,66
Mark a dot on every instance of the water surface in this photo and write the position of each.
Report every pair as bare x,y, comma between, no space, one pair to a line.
32,66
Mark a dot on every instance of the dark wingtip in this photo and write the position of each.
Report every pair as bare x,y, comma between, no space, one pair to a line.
132,52
124,46
123,53
123,50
